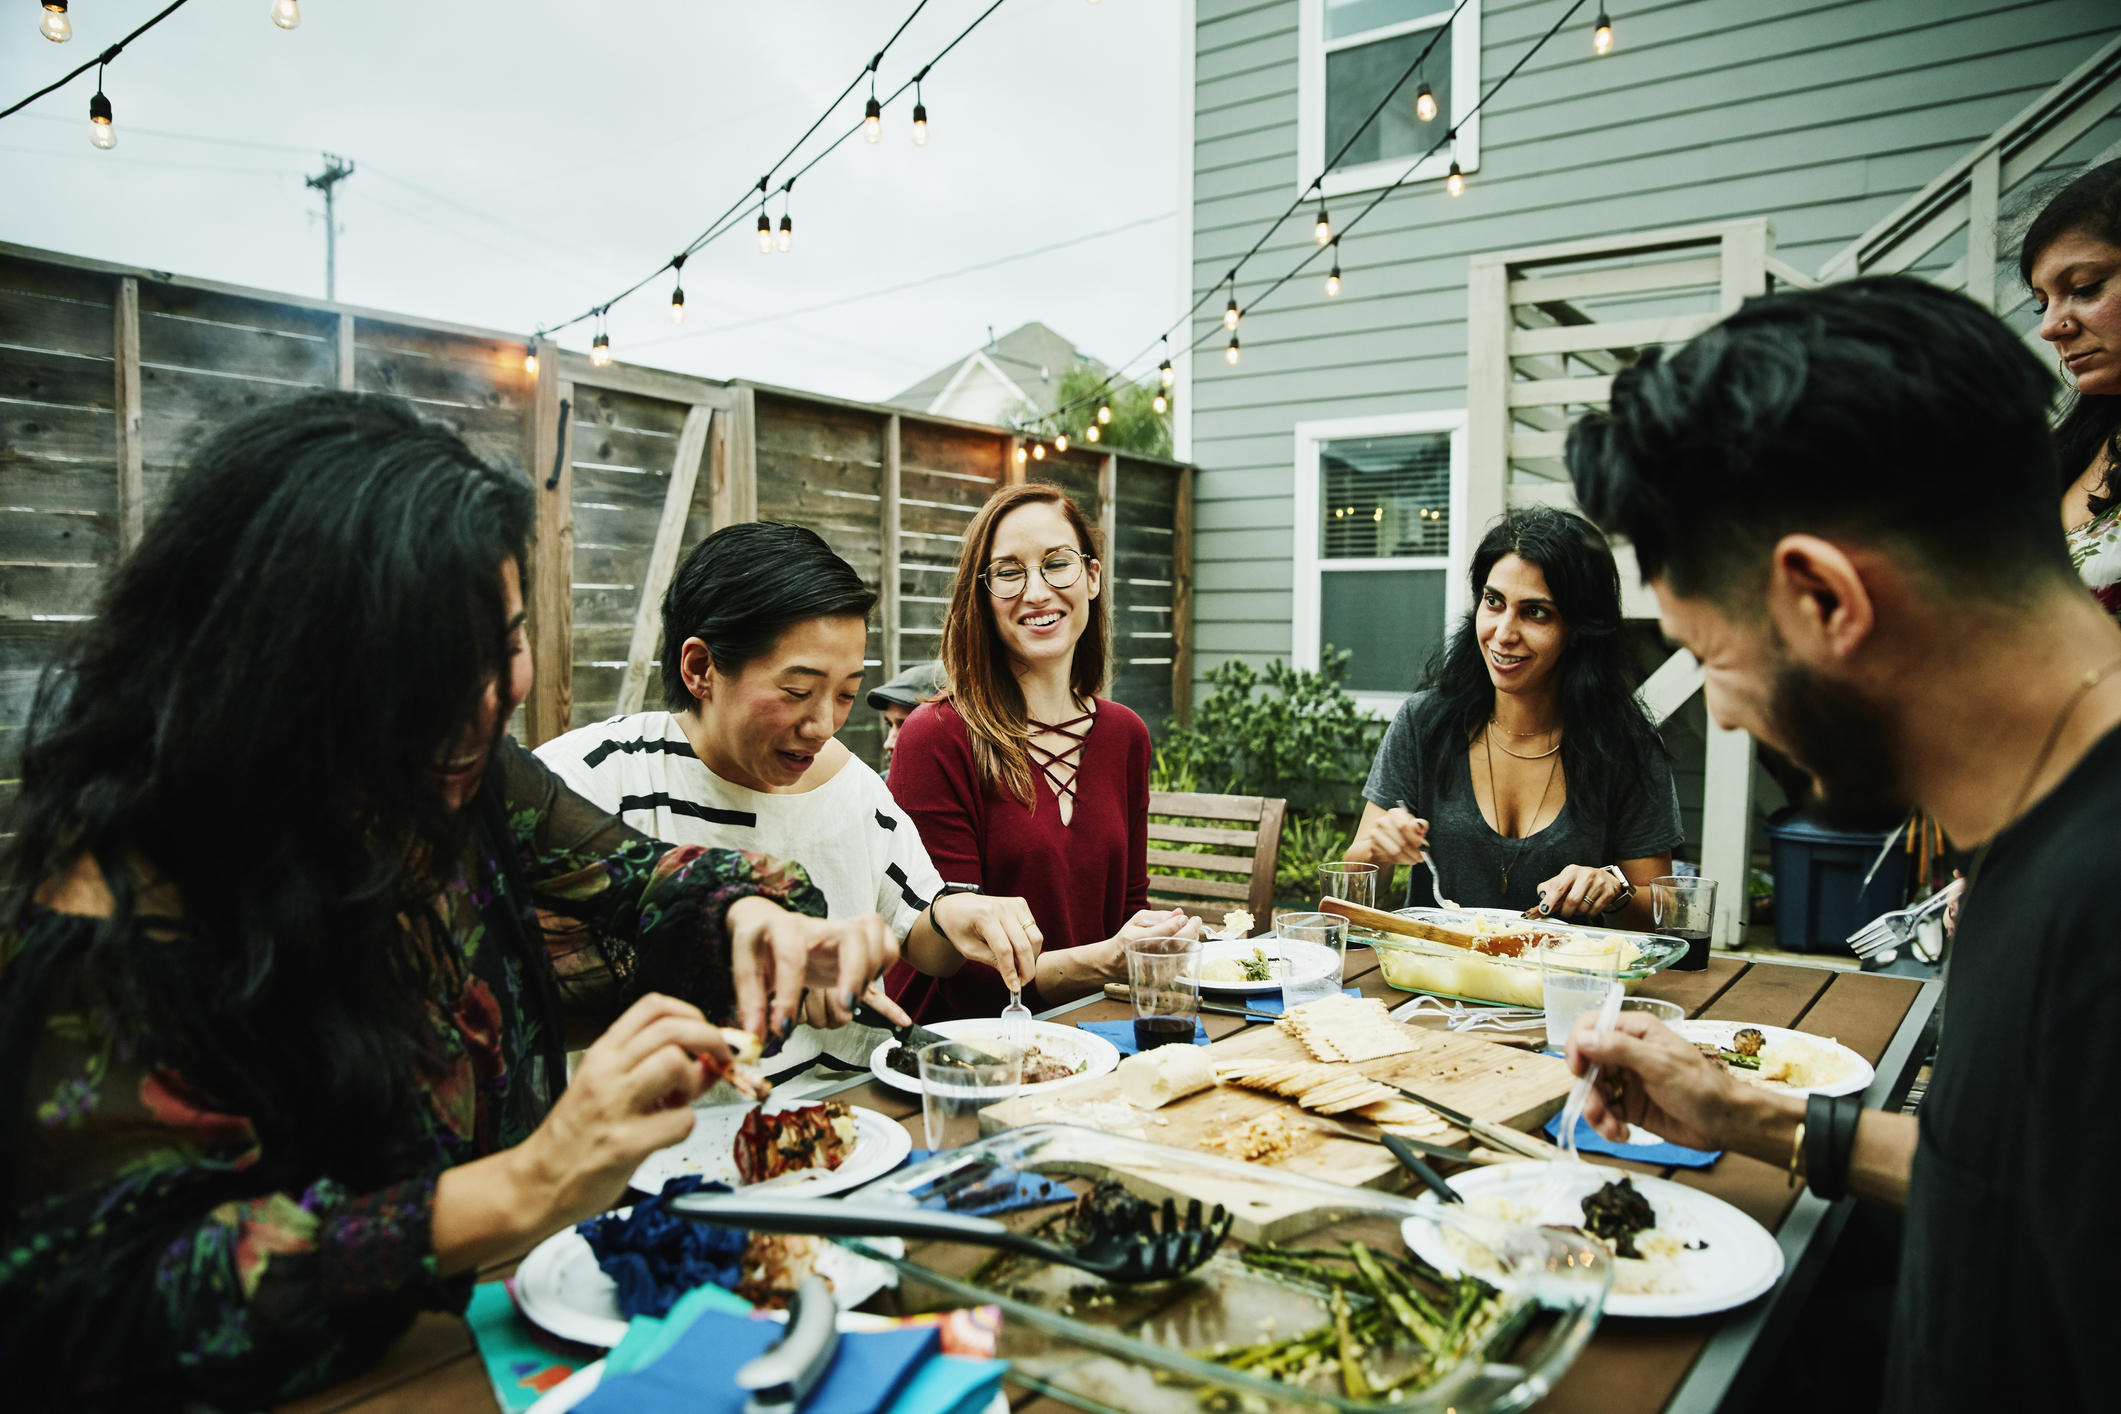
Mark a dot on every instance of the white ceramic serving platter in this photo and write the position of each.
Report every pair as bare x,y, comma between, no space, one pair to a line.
1098,1056
710,1151
1310,961
560,1289
1740,1261
1719,1033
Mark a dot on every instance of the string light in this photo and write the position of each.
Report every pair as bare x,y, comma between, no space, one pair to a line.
765,231
1161,402
1455,183
100,131
1425,103
530,356
1104,411
1230,353
1323,231
286,13
1602,33
920,114
1021,456
1333,277
787,235
873,119
1230,314
1060,443
677,293
1038,451
600,350
1165,374
1090,433
55,26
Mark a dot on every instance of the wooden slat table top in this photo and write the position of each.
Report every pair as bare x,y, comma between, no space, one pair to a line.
1630,1367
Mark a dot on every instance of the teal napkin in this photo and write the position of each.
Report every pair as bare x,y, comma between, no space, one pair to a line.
696,1374
519,1368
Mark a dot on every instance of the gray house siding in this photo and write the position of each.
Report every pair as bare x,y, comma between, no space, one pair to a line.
1821,117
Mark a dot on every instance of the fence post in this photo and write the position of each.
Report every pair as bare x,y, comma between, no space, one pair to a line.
735,495
346,353
663,558
888,548
125,346
1488,325
1108,510
1182,601
1012,469
550,605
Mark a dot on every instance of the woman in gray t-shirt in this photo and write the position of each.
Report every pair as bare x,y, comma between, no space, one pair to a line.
1527,768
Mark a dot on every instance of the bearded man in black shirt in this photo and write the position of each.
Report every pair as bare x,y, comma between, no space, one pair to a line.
1845,501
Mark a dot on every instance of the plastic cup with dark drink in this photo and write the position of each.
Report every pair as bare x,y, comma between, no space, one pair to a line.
1685,908
1163,976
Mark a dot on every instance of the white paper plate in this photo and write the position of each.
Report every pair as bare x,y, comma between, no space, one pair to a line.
710,1151
1719,1033
1740,1262
1099,1056
1311,961
561,1289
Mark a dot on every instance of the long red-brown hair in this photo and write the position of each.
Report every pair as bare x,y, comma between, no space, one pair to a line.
983,688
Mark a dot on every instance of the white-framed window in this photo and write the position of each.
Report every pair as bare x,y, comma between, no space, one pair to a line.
1350,53
1380,546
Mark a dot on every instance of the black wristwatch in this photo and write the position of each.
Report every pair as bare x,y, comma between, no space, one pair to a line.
1627,891
940,894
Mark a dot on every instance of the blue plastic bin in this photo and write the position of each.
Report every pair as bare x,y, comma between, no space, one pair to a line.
1819,898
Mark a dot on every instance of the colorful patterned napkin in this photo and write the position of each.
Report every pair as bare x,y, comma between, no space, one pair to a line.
519,1364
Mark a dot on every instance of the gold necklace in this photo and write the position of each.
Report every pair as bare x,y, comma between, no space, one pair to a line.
1524,841
2054,734
1518,754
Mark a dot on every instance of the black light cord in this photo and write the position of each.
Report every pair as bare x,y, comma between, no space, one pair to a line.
104,58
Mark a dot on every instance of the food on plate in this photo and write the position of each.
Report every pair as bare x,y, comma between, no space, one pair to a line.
774,1265
1262,1140
1256,968
1787,1063
1343,1028
1238,923
819,1136
1040,1065
1651,1269
1617,1213
1155,1078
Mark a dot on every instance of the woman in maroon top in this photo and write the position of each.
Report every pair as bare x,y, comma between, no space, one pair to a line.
1022,780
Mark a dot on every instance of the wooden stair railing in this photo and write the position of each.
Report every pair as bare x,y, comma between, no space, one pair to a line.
1251,823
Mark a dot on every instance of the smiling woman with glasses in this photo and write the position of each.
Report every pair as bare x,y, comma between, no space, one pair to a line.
1021,778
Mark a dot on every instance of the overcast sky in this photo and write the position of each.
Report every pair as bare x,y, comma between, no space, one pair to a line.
520,160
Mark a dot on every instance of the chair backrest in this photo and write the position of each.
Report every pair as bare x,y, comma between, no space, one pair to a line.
1246,822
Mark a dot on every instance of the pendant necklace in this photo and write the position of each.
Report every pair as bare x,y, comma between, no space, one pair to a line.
1523,841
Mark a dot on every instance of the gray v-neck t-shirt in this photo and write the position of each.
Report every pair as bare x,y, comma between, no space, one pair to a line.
1635,819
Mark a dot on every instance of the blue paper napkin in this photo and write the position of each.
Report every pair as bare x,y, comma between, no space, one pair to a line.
520,1366
950,1384
1121,1033
1591,1141
1010,1190
697,1374
1273,1001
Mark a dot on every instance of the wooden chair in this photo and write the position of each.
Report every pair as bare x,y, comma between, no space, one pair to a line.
1250,877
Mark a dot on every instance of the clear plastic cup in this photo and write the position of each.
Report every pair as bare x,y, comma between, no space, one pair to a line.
1310,957
1163,978
958,1081
1571,983
1354,883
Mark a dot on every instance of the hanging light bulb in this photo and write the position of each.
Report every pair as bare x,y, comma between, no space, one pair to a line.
1060,443
1230,353
1333,279
286,13
1021,455
530,358
600,350
100,131
55,26
1455,183
786,240
765,233
677,305
1602,34
1163,371
1038,451
1425,103
1323,231
1230,315
1161,402
873,120
1090,433
1104,411
920,125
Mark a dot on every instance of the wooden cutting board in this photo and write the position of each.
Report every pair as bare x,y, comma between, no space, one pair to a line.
1498,1083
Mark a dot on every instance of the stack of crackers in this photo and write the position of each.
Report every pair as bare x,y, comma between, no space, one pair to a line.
1347,1029
1336,1089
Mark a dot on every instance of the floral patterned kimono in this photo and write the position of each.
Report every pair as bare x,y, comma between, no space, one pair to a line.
156,1248
2095,549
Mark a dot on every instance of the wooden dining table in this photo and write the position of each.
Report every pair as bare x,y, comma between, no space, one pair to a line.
1631,1366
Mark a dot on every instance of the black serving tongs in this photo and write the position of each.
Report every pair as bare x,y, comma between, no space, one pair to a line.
1126,1253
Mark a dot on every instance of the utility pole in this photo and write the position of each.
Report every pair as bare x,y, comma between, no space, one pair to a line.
336,170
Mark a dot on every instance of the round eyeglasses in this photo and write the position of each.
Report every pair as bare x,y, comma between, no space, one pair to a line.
1006,578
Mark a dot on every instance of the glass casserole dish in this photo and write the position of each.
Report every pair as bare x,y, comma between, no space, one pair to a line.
1444,970
1274,1298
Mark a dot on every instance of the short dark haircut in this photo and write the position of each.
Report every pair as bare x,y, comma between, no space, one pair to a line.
2091,422
745,585
1885,410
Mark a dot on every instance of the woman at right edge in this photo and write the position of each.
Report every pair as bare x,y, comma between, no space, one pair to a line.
1021,779
1527,753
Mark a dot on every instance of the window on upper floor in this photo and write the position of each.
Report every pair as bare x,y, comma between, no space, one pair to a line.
1352,54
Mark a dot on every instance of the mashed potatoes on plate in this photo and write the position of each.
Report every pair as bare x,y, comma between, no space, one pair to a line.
1655,1273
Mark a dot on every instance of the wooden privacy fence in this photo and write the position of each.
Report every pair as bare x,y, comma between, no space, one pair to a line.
111,376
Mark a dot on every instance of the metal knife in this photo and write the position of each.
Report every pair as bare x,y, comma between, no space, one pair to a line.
1496,1136
1371,1134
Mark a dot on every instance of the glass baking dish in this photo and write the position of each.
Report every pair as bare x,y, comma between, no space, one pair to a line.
1146,1349
1421,965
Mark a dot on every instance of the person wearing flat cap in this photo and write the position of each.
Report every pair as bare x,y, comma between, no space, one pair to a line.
896,699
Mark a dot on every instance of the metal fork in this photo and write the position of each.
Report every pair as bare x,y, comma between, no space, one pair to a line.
1129,1254
1435,879
1894,929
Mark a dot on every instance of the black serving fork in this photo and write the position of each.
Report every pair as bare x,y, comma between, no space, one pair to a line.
1128,1255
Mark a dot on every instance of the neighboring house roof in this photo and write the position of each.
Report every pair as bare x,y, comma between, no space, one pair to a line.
1022,366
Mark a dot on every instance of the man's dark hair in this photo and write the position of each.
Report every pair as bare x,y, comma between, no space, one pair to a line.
742,587
1885,410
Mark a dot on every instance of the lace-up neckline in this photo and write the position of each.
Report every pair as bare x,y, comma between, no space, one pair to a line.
1060,768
